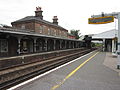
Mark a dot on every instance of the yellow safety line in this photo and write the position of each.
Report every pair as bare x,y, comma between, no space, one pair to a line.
73,72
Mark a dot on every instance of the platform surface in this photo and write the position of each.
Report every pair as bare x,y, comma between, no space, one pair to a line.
96,71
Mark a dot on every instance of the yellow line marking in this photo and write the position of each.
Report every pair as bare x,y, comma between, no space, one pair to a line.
73,72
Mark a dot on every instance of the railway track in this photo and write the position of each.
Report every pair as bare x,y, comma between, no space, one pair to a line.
13,75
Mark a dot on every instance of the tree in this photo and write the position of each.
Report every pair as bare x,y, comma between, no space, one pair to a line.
76,33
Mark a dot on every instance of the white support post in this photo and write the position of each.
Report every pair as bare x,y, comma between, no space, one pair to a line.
73,45
69,44
61,44
35,39
54,44
113,46
19,45
103,44
115,43
46,44
118,62
65,44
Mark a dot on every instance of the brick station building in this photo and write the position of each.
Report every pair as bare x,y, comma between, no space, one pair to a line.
33,34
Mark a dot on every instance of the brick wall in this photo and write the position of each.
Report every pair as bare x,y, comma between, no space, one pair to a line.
41,28
25,25
49,30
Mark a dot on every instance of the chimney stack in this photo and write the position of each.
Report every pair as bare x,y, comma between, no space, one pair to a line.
55,20
38,12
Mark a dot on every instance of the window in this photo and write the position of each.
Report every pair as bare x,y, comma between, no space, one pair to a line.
48,31
3,45
55,33
65,34
44,26
60,33
23,27
41,29
52,32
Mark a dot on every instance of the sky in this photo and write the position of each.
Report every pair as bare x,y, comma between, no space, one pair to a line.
72,14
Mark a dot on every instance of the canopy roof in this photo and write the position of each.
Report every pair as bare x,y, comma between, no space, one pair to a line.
106,35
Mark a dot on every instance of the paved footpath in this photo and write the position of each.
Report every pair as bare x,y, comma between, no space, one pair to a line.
91,72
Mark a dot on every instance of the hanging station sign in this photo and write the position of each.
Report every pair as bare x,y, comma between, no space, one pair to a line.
101,20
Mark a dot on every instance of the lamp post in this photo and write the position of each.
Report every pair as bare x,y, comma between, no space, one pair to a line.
118,52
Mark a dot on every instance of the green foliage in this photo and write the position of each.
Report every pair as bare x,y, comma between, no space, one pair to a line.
76,33
92,44
98,44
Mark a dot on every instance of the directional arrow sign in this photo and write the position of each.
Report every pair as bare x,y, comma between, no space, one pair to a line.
101,20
